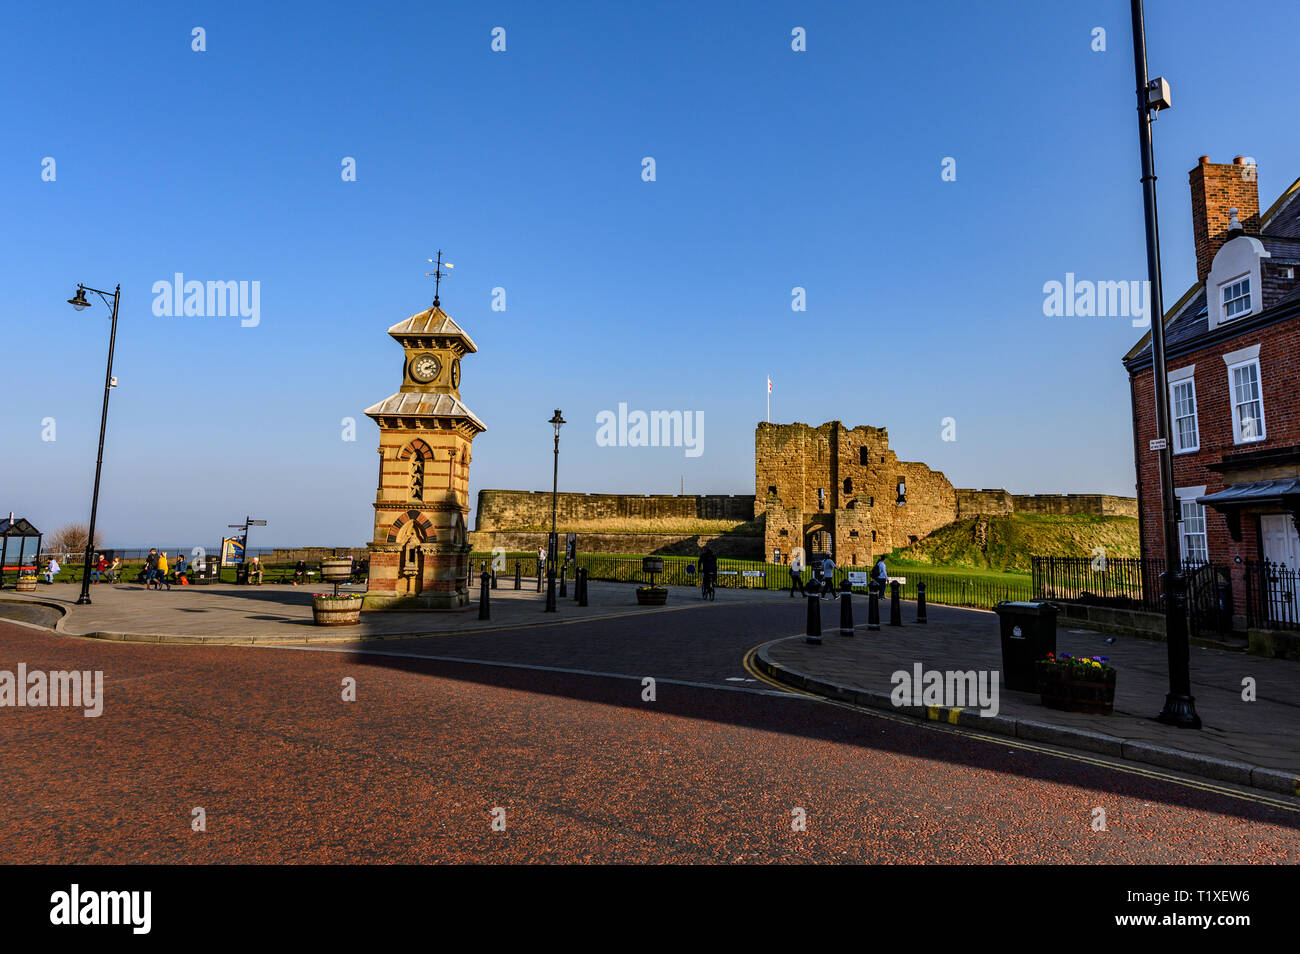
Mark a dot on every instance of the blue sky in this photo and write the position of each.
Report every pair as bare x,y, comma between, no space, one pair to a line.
774,169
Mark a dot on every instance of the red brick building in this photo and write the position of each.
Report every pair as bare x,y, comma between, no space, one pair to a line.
1233,354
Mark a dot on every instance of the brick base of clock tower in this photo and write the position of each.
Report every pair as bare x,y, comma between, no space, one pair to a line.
435,580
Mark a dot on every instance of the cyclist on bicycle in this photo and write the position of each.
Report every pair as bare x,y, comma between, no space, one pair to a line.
708,569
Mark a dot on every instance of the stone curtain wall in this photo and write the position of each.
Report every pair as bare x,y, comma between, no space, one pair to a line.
993,503
971,503
512,509
736,546
311,554
1104,505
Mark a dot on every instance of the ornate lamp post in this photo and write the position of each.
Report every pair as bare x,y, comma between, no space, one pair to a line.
552,545
79,302
1153,95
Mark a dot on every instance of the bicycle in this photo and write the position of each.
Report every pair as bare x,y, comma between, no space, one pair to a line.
706,587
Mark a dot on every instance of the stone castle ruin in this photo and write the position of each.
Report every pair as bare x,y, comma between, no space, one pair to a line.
827,489
842,491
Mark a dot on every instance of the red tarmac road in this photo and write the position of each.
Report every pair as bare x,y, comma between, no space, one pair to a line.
585,770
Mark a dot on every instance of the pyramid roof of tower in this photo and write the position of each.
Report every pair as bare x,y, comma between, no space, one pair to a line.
432,322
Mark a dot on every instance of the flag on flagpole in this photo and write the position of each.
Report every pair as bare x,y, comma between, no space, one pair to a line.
769,385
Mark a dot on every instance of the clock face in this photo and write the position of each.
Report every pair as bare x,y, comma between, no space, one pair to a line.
425,368
455,373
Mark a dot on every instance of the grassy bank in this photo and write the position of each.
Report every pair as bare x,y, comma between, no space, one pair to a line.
1006,543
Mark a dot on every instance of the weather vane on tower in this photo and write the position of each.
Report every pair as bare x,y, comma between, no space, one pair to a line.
438,275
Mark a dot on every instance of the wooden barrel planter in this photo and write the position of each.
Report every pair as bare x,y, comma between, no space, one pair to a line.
652,595
336,570
336,610
26,584
1059,688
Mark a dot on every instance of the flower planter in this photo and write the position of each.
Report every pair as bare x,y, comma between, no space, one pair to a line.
340,611
652,595
336,570
1072,691
26,585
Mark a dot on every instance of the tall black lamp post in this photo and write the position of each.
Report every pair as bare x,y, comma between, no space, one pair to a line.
1153,95
552,545
79,302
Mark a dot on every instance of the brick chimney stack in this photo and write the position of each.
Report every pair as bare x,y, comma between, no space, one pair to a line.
1217,188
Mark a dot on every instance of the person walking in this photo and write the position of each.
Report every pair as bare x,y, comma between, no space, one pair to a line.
880,574
150,567
163,567
828,577
796,573
541,560
708,569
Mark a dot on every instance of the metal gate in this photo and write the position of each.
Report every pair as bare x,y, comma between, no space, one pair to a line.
1209,600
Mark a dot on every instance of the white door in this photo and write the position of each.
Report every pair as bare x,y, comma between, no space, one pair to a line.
1281,544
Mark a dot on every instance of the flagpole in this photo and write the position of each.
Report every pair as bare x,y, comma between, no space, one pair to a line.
769,399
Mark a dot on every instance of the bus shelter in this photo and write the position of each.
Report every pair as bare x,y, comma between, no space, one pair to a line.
17,530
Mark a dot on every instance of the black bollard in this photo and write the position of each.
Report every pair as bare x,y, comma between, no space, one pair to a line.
846,612
895,608
920,603
539,578
582,586
484,610
814,619
519,574
577,582
564,589
550,590
873,605
494,577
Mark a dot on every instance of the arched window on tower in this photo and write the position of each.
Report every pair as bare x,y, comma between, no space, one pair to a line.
848,486
417,476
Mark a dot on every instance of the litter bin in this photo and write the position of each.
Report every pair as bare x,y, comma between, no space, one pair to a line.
1028,635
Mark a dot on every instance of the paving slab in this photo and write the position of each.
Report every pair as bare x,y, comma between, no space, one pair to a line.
1247,742
226,614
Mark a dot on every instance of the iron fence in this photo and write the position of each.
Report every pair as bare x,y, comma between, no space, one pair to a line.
1272,596
1128,583
755,575
1134,583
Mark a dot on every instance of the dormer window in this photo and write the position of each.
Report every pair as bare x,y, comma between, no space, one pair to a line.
1236,298
1232,289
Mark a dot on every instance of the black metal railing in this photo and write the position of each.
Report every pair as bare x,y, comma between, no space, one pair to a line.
1127,583
1272,596
943,589
1132,583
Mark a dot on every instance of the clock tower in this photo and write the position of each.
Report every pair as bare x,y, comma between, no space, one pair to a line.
420,552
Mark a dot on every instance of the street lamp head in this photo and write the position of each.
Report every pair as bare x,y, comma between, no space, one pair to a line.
557,421
79,301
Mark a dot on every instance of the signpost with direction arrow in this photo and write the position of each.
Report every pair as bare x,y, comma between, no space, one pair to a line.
243,539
